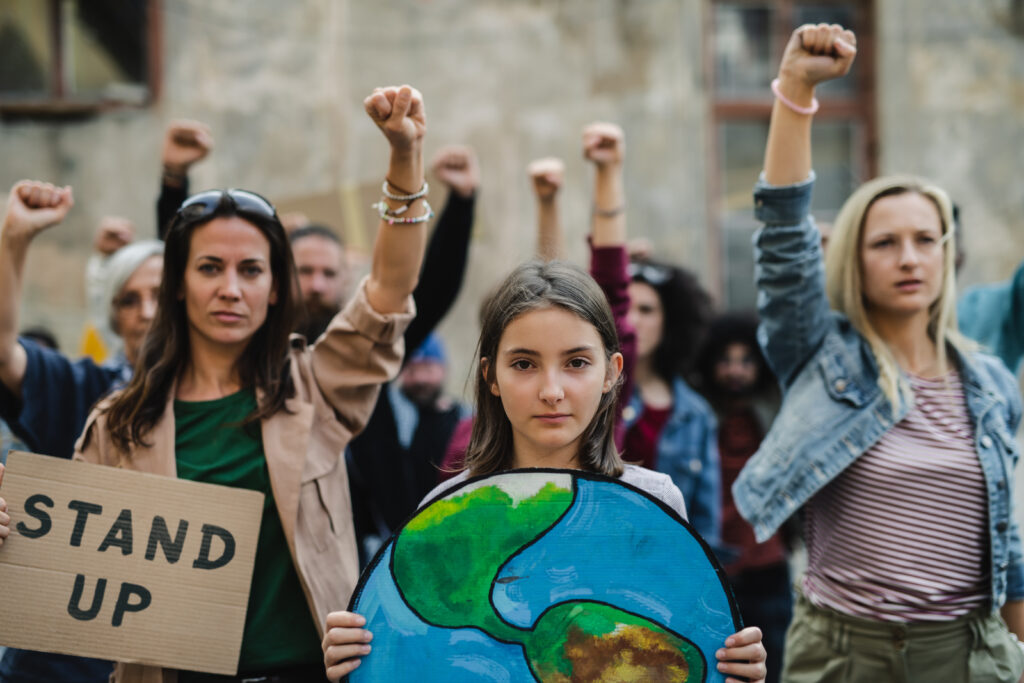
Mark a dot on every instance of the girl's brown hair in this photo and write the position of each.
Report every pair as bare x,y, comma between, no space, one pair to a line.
532,286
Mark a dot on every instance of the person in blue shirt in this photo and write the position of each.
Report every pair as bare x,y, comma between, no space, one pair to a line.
44,396
993,315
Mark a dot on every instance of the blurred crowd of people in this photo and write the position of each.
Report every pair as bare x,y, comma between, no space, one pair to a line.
851,419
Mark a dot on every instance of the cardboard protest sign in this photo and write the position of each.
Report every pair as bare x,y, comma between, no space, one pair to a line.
544,575
114,564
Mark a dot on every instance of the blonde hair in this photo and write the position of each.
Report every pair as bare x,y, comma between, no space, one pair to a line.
843,278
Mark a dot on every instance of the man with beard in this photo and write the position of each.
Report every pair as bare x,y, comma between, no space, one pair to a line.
320,263
395,461
735,378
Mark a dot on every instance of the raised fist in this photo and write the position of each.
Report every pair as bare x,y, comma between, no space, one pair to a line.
34,206
817,53
399,113
113,233
456,167
185,143
547,175
604,143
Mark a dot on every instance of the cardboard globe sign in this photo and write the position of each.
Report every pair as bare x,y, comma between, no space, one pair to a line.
544,575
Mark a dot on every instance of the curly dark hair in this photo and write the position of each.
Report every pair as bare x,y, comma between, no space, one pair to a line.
686,309
726,329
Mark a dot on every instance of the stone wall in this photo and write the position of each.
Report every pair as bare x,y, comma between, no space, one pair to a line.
281,84
951,86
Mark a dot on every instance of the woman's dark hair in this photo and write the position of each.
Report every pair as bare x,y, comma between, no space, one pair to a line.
686,311
165,351
532,286
726,329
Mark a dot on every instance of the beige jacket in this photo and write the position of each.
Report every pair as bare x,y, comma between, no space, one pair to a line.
337,381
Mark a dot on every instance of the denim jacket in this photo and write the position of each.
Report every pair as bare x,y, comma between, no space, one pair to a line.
688,453
833,409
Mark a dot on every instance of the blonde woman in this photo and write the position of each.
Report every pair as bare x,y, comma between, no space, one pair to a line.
895,435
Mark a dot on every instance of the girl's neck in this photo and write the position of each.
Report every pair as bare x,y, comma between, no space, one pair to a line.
528,455
211,372
910,343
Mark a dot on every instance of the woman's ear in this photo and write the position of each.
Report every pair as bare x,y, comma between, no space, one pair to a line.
272,299
614,370
485,365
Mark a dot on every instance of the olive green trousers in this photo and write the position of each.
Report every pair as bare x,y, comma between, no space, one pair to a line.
823,646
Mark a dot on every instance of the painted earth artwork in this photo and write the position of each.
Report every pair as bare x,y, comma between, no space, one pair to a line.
544,575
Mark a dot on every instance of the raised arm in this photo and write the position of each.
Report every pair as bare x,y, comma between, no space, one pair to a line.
789,271
362,347
185,143
401,236
31,208
546,176
444,265
604,145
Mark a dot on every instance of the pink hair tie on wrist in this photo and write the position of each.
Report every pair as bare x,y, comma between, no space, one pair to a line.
790,104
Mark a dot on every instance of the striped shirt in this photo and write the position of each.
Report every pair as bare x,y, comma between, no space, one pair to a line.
902,534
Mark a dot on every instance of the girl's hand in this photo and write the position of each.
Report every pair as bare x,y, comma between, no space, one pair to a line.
399,113
344,642
743,655
34,206
817,53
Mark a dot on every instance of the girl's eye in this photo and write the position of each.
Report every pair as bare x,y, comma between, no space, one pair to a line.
926,239
881,244
207,268
579,363
521,365
252,271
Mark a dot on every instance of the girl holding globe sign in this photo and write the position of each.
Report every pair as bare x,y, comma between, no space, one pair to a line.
550,368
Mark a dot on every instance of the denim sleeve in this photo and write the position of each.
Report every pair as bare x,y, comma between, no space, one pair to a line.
790,277
1015,570
994,316
705,508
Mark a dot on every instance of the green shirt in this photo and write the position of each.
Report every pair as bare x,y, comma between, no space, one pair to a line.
211,446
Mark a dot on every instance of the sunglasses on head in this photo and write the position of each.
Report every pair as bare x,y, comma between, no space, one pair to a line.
205,204
648,272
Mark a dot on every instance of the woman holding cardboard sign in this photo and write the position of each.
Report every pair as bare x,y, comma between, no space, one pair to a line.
222,395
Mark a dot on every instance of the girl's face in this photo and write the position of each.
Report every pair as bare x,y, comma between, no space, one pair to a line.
901,255
646,316
550,373
228,283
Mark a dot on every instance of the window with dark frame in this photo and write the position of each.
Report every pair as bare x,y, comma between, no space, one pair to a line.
748,38
77,55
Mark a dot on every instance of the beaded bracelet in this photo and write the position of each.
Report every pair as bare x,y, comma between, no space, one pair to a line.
403,197
382,211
